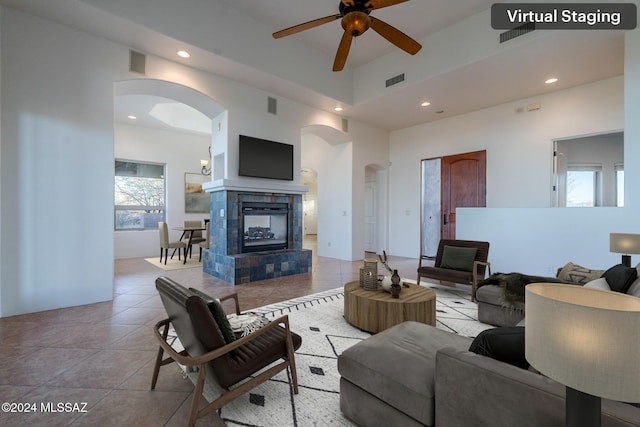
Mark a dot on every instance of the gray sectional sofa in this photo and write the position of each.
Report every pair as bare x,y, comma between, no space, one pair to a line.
417,375
492,309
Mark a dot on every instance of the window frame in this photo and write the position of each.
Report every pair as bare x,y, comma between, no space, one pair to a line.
159,208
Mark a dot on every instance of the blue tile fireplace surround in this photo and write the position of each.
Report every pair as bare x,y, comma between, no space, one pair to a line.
225,258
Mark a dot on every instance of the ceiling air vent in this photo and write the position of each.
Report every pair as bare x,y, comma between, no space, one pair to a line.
517,32
137,62
394,80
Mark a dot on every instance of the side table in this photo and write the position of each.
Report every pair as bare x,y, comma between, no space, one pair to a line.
375,311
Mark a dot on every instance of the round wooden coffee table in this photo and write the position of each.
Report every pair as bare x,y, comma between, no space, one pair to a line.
375,311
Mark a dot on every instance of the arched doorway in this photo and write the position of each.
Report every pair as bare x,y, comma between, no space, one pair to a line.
328,152
173,127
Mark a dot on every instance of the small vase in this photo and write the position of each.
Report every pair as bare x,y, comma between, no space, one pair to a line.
395,284
395,290
395,278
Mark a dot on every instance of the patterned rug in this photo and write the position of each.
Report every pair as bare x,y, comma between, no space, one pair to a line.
325,334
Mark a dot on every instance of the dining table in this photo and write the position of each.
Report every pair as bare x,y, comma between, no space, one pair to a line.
187,231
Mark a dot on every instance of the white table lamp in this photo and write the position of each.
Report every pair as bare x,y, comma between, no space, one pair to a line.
588,340
624,243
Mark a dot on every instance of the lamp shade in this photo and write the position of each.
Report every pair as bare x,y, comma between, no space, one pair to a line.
624,243
586,339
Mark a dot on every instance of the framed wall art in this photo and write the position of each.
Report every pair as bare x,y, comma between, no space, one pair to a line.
196,200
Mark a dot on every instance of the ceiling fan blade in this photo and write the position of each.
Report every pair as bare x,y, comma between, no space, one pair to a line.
395,36
379,4
305,26
343,51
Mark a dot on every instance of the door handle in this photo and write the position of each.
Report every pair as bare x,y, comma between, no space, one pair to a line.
445,219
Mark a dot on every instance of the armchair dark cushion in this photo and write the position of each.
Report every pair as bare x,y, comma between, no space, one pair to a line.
218,314
458,258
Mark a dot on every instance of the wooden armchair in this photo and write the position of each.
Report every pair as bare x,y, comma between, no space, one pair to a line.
222,364
468,272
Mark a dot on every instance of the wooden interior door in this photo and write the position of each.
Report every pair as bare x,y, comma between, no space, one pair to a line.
463,186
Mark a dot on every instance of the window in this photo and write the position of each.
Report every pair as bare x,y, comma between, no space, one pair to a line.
583,183
139,195
619,185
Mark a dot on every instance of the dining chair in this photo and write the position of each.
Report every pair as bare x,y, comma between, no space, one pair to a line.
205,244
166,244
192,237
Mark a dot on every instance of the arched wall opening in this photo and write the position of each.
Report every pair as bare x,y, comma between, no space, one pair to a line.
329,152
165,142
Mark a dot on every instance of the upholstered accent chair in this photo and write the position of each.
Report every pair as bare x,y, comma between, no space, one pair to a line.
231,367
458,261
165,244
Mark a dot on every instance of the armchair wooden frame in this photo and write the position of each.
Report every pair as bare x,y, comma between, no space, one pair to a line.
480,265
161,331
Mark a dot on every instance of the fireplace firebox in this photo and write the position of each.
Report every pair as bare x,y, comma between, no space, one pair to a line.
265,226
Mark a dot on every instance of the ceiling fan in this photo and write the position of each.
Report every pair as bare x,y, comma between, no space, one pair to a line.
355,21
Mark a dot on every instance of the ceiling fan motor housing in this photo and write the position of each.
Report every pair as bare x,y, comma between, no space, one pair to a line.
356,22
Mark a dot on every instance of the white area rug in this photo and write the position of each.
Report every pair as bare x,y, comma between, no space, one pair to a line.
175,263
325,334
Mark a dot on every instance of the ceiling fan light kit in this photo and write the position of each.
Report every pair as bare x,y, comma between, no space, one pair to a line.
355,21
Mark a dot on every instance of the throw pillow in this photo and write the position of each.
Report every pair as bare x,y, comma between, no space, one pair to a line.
505,344
575,273
600,283
620,277
457,258
218,315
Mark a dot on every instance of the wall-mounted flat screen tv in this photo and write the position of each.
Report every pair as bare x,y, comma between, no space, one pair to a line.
265,159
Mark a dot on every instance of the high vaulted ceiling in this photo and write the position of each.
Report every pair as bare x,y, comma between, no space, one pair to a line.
232,38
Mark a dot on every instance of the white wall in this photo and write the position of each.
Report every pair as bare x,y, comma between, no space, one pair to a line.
57,147
519,169
180,152
57,165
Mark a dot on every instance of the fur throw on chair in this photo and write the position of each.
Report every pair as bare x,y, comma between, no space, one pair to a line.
513,285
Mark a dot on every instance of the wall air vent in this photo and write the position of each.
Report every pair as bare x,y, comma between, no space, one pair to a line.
517,32
137,62
394,80
272,105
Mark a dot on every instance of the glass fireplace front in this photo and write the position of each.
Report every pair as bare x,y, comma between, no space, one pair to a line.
265,226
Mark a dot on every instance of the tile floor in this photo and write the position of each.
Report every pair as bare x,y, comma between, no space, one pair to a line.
103,354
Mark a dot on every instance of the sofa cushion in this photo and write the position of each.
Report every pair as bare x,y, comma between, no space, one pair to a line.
505,344
575,273
458,258
397,366
620,277
600,283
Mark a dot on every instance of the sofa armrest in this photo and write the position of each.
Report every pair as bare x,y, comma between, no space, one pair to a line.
474,390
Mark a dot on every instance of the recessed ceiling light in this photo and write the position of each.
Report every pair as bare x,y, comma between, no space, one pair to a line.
425,104
132,117
551,80
338,109
183,54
